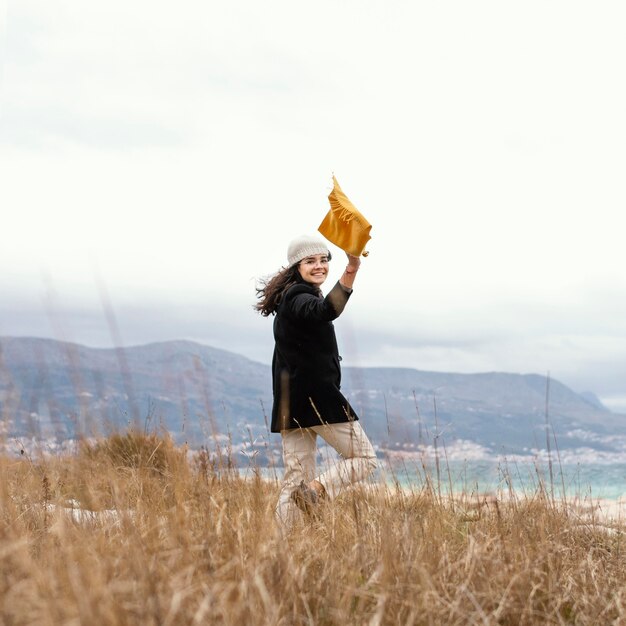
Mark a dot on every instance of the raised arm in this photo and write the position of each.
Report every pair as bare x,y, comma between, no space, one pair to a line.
349,274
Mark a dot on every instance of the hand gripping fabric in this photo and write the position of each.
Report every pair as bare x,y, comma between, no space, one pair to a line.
344,225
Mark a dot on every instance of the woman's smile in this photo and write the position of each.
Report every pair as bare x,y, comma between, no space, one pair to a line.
314,269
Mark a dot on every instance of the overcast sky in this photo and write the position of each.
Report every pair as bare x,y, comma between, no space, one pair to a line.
157,158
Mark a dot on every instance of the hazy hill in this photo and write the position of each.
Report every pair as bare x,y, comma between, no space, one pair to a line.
497,410
53,389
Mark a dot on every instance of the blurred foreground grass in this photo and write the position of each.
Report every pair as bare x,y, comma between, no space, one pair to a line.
131,530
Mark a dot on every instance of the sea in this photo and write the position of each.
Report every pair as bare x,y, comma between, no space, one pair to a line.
526,476
521,477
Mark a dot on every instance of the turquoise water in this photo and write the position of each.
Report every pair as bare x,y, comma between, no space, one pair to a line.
524,477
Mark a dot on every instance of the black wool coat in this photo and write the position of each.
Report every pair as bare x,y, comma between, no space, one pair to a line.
306,375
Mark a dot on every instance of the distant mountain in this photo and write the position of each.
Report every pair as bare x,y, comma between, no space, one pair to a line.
53,390
499,411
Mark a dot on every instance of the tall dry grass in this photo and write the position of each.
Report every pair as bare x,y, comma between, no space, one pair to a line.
174,540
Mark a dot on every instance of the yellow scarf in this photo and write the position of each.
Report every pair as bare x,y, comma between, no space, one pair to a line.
344,225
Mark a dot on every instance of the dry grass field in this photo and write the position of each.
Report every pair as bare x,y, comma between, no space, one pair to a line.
132,530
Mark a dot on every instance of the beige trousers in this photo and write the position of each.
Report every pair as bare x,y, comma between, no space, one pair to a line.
358,460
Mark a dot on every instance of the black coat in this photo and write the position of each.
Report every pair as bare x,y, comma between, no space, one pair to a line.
305,368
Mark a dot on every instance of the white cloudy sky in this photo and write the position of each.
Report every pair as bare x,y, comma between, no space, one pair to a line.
165,153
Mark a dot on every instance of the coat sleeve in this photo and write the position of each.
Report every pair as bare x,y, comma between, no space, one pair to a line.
303,304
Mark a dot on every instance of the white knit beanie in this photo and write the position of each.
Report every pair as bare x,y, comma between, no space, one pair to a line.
304,246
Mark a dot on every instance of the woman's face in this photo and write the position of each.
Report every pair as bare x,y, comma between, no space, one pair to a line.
314,269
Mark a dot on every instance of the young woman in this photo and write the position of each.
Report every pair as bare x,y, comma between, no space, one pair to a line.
306,377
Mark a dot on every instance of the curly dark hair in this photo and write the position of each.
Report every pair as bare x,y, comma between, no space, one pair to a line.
270,290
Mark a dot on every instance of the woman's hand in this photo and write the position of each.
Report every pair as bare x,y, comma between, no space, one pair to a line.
354,262
349,274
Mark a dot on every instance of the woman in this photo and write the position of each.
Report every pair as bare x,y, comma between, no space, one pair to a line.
306,378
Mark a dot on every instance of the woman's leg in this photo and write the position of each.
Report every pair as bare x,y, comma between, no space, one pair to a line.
358,456
299,452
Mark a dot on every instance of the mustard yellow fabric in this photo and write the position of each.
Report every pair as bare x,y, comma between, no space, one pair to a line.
344,225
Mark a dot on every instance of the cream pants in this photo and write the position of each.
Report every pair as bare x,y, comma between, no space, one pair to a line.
358,460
